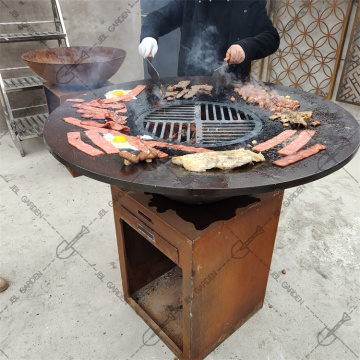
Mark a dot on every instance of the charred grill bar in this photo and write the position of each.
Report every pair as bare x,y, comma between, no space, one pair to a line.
206,124
197,273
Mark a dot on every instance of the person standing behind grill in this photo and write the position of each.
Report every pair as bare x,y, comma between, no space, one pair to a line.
211,30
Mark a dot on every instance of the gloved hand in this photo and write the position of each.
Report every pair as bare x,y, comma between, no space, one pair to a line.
148,47
237,54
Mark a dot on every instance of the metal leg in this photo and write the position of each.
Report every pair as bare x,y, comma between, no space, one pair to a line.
9,117
15,138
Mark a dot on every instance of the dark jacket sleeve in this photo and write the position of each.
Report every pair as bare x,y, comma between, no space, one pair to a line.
265,40
163,21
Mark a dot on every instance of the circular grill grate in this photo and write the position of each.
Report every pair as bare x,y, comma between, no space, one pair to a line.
201,123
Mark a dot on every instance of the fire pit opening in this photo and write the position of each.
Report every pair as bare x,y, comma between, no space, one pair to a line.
155,281
200,124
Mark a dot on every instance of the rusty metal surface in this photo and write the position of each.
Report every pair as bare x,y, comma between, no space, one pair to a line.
162,299
349,87
76,67
339,132
231,269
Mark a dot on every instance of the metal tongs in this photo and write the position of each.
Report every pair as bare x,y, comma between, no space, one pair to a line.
153,73
219,73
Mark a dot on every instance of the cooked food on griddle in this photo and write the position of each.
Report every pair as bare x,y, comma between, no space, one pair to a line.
101,142
284,107
74,139
116,93
126,97
304,137
257,94
130,158
198,89
293,117
225,160
91,125
104,123
179,86
181,90
277,140
301,155
315,123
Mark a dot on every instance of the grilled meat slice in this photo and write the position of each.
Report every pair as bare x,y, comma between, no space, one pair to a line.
224,160
180,86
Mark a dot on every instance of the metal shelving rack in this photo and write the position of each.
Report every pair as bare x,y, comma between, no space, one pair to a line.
30,126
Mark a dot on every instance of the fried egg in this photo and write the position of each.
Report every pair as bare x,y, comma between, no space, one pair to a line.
119,142
116,93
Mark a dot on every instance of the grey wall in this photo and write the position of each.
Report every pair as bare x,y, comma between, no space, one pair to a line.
85,21
166,60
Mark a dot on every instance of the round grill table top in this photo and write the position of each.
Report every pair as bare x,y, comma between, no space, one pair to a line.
339,131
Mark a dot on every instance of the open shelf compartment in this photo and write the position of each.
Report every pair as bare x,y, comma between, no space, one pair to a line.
155,283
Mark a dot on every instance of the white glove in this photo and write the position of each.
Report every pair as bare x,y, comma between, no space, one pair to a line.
148,47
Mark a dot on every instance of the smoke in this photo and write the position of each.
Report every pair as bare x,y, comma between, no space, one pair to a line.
207,52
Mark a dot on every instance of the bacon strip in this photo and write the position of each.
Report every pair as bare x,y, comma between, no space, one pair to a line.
128,97
119,106
101,114
100,142
298,143
121,111
115,126
121,120
94,116
74,139
277,140
94,124
94,106
100,104
124,98
303,154
77,122
139,89
75,100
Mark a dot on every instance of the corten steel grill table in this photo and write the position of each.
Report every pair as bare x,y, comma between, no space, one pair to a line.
195,273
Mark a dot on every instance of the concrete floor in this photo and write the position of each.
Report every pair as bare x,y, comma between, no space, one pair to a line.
72,308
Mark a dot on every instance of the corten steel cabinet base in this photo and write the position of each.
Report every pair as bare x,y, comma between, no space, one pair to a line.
194,274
